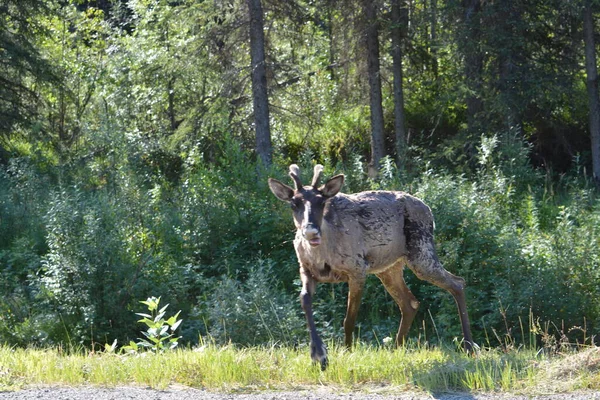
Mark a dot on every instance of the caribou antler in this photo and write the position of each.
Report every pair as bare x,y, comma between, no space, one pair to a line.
316,175
295,175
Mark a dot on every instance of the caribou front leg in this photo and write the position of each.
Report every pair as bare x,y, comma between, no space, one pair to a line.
318,352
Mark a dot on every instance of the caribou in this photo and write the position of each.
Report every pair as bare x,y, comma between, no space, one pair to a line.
343,237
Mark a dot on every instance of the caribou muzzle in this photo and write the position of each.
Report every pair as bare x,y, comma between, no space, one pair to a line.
312,234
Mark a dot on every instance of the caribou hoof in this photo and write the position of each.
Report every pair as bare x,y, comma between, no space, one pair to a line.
471,348
324,363
318,353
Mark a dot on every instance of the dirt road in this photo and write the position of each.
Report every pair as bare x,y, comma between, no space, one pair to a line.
133,393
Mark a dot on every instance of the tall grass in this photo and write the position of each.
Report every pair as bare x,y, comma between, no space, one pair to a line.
226,368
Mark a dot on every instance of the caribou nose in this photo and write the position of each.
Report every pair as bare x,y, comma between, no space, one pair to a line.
312,234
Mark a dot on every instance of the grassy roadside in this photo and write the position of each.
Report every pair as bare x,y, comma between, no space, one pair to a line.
365,368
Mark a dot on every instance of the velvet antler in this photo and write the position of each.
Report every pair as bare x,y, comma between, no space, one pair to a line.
316,175
295,175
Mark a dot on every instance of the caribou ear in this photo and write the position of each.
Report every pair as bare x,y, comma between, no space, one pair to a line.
281,190
333,186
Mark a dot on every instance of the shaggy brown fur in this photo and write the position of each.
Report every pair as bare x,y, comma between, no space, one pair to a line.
342,238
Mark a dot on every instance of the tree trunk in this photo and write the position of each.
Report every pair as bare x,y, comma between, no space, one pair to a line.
372,41
259,83
330,39
473,59
591,69
171,104
433,38
399,25
510,27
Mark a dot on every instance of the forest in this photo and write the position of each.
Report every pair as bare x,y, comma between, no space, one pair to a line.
137,136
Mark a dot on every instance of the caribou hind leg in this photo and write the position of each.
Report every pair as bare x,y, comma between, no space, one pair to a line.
423,261
355,290
393,281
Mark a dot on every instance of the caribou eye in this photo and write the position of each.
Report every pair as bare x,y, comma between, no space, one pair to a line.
296,204
318,201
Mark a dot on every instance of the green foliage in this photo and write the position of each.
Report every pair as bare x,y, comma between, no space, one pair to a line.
490,232
159,335
111,236
22,244
126,169
23,68
254,311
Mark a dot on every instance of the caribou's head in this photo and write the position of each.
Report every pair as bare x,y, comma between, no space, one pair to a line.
308,202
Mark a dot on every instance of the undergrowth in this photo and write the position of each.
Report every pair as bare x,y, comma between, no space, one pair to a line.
78,253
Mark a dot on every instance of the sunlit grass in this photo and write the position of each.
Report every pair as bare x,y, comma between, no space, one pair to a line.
365,368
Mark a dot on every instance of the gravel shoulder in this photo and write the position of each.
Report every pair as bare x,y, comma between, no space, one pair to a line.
136,393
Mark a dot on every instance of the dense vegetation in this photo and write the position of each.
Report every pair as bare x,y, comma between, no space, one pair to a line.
128,166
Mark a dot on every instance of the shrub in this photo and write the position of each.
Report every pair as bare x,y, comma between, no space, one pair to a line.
76,255
254,311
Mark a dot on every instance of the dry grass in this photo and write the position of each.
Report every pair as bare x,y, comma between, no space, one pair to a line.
579,370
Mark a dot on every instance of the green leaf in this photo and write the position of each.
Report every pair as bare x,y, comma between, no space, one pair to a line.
162,310
144,343
110,348
175,325
164,330
131,348
155,339
159,317
147,321
152,303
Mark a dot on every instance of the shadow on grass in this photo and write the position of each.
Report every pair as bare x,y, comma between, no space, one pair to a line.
456,376
453,396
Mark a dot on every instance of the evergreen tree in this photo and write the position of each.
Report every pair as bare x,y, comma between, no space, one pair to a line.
370,9
22,67
399,21
260,98
592,87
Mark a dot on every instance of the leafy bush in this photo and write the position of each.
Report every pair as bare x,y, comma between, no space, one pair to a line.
107,247
22,245
491,234
80,253
255,310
